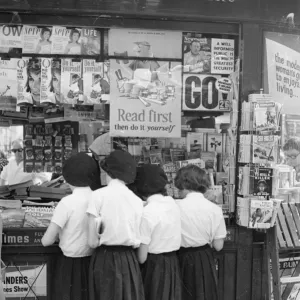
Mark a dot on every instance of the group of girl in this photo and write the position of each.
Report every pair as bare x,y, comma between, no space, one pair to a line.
117,247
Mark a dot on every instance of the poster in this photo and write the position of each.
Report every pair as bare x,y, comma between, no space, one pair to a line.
11,40
71,81
37,39
8,87
145,102
25,281
29,81
200,94
144,43
90,41
66,41
283,65
96,81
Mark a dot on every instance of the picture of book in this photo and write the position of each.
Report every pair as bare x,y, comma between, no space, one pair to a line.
261,212
8,87
71,82
37,39
262,182
90,41
96,82
11,39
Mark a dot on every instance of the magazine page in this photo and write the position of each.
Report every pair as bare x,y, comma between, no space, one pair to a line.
37,39
66,41
95,82
260,213
8,87
71,81
90,41
11,39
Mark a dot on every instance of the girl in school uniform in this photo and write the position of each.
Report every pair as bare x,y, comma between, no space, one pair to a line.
70,224
160,236
203,228
117,212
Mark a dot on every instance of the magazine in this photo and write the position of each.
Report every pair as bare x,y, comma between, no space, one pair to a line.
11,40
90,41
47,90
195,141
262,182
215,142
265,116
71,82
37,39
260,213
265,149
8,87
38,216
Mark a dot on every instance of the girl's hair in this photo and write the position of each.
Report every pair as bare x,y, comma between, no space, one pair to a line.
46,29
55,69
71,35
75,76
192,178
33,67
292,144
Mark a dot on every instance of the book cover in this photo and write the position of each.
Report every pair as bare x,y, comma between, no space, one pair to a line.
265,116
260,213
37,39
90,41
262,182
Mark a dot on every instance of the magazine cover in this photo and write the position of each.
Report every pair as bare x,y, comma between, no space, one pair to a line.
265,149
265,116
71,81
38,216
37,39
8,87
11,39
96,81
263,182
260,213
195,141
90,41
215,142
29,81
66,41
144,43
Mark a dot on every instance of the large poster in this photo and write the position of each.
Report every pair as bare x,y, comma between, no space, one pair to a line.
145,99
283,67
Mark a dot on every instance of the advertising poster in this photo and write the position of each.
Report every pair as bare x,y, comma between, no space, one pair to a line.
144,43
71,81
90,41
11,39
8,87
145,99
200,93
23,282
66,41
29,81
283,65
96,81
37,39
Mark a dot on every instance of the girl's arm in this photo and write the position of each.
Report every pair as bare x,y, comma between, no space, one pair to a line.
94,236
218,244
142,253
51,235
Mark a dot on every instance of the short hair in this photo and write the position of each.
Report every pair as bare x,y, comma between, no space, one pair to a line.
17,141
292,143
195,41
46,29
74,31
192,178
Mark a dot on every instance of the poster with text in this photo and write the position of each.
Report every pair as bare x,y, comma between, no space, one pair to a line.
90,41
37,39
144,43
11,39
145,100
283,65
200,94
66,41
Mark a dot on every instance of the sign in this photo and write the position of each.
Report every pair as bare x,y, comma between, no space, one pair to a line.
283,66
224,85
200,93
22,237
145,99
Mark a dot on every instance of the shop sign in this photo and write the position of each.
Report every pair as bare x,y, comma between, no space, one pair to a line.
22,237
24,282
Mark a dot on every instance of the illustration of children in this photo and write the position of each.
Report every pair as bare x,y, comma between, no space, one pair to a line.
74,46
44,44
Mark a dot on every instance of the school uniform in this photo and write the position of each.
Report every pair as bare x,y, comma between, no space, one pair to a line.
114,269
161,231
201,222
72,266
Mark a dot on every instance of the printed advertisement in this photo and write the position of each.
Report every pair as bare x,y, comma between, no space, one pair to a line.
29,81
96,81
37,39
71,81
200,93
66,41
145,100
25,281
50,83
144,43
8,87
90,41
11,40
283,66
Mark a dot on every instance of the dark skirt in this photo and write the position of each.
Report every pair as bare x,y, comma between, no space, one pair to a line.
115,274
161,277
70,280
198,273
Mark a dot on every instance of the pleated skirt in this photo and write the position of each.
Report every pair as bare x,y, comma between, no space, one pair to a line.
161,277
198,273
70,281
115,274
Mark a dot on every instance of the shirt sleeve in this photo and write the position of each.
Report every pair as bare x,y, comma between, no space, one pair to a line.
93,207
146,228
61,215
220,232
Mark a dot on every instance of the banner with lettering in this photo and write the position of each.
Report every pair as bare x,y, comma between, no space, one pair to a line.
283,66
145,98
